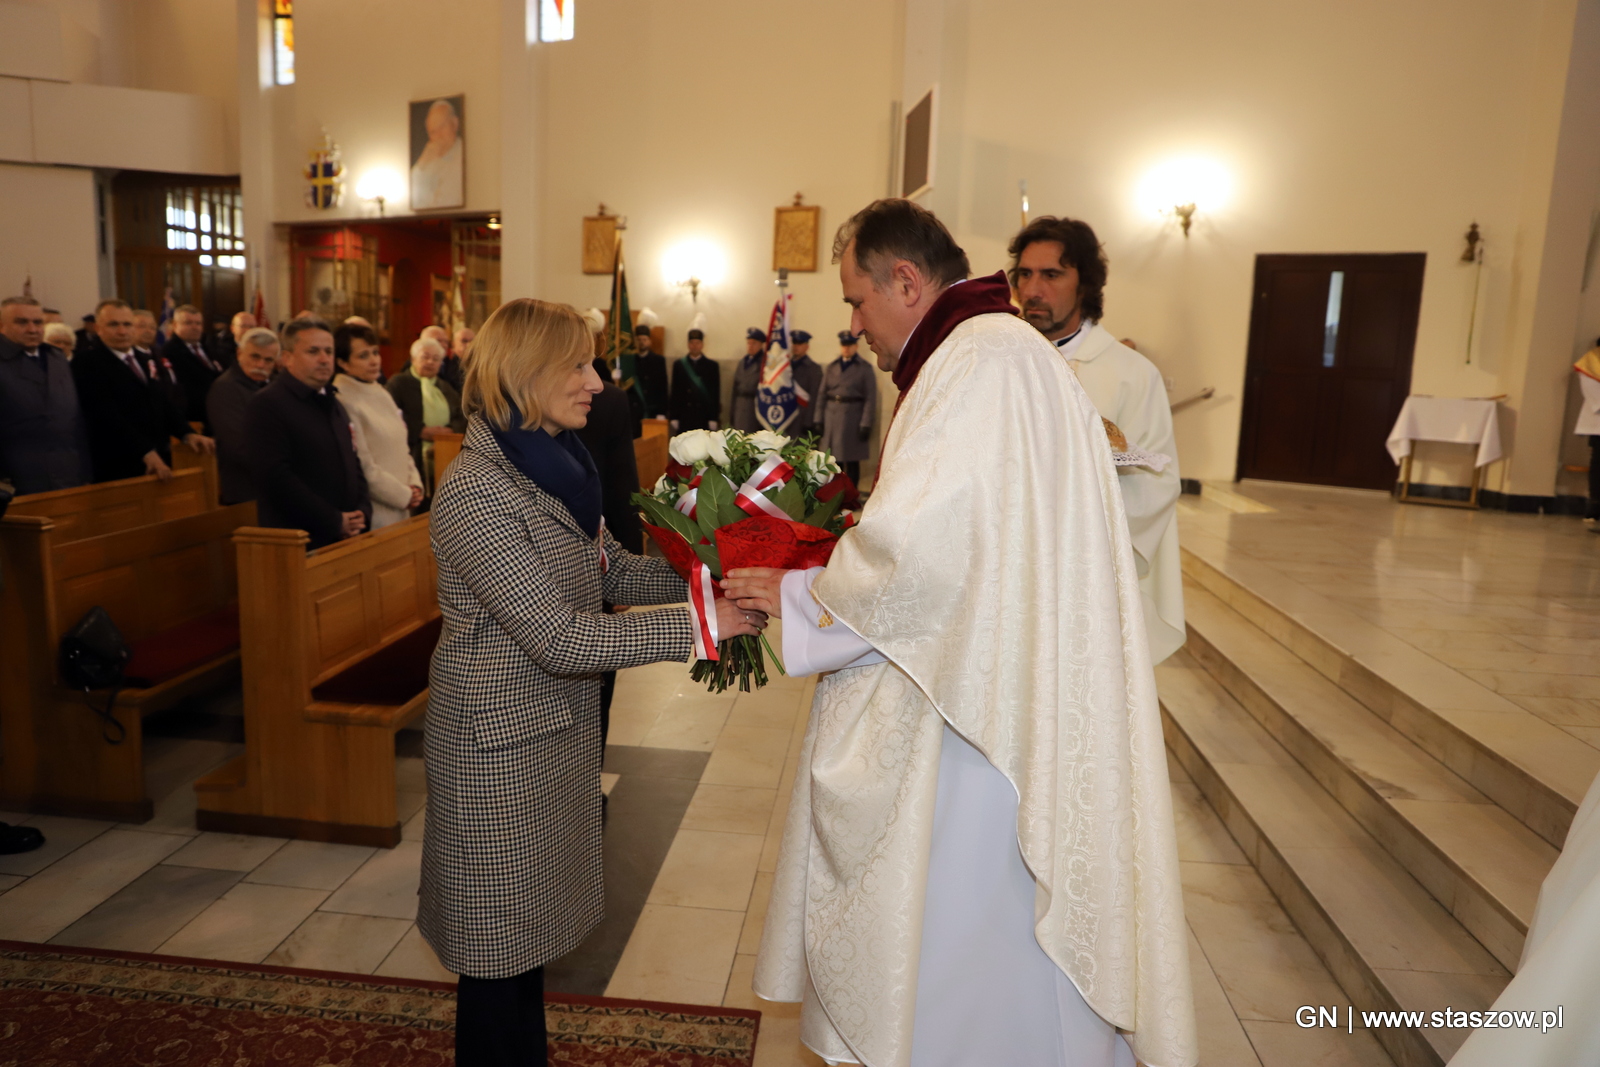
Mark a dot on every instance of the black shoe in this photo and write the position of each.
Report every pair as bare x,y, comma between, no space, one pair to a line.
15,839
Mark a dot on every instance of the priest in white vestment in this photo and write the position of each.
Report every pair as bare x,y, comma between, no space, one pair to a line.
1058,272
1559,969
979,864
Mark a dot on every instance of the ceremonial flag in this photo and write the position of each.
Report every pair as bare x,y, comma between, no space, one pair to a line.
164,324
779,397
622,354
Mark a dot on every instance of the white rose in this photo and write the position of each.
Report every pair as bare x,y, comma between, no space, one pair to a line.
768,442
717,447
691,447
665,489
821,466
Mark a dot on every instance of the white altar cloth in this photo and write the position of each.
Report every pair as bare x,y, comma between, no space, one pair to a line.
1445,418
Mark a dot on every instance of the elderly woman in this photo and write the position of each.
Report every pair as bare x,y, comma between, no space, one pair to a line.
380,429
431,406
511,865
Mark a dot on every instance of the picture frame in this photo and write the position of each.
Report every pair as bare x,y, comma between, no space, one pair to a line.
438,154
599,243
794,237
919,142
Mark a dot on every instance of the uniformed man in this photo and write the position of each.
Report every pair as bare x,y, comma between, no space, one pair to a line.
848,405
746,378
1058,273
807,376
696,400
652,373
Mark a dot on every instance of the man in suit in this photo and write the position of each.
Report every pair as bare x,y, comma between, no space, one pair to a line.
696,401
302,448
652,374
131,420
194,366
807,376
44,443
149,344
226,349
226,403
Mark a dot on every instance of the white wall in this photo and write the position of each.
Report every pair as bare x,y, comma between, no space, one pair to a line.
53,240
1369,127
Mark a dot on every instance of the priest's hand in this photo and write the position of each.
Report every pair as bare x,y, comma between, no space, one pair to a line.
757,589
736,621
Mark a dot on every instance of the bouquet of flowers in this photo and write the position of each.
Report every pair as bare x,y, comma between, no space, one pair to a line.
731,499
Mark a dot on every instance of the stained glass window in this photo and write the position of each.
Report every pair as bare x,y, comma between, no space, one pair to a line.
209,221
555,19
283,42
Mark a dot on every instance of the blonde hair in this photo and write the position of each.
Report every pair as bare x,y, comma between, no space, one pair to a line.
519,356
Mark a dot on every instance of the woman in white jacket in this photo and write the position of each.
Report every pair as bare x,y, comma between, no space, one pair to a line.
380,429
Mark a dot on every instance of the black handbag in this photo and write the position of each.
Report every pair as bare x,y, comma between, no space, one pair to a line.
93,655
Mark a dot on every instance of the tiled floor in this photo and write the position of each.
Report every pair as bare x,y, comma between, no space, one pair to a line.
698,786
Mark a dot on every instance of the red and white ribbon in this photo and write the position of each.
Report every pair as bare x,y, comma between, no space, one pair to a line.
702,611
686,502
751,496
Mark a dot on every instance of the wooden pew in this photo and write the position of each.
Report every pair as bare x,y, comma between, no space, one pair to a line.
446,447
650,451
336,646
205,463
169,587
106,507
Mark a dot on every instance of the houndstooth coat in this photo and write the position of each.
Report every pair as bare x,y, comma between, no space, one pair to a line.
511,871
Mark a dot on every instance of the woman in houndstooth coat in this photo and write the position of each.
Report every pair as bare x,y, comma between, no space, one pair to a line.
511,862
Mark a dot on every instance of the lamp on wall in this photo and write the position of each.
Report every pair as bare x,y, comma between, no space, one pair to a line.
381,185
1184,186
693,263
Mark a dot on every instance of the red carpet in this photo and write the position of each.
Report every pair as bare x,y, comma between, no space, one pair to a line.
69,1007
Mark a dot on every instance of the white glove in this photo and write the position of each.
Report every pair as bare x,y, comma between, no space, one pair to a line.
674,425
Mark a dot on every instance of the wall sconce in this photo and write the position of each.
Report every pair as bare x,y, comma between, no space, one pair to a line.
1182,187
494,222
691,264
381,185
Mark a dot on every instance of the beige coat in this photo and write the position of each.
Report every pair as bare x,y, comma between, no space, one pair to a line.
380,432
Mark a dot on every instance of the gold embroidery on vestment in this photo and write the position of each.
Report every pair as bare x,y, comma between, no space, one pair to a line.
824,620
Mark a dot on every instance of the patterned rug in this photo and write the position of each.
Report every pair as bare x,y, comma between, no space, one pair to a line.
67,1007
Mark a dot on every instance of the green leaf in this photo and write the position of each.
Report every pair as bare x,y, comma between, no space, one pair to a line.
792,499
715,502
825,512
708,556
665,515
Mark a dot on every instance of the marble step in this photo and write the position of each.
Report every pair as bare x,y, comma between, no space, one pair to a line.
1530,768
1484,866
1385,938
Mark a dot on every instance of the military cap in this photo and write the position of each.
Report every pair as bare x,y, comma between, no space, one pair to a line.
642,330
847,338
697,335
800,337
754,334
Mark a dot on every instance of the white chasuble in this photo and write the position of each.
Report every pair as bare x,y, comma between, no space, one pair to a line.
1127,389
992,571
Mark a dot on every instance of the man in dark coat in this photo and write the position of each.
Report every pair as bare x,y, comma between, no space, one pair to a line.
226,348
848,406
44,443
696,402
130,418
807,376
302,447
652,372
746,380
194,366
255,358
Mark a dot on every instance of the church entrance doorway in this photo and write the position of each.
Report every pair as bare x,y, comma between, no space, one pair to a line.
1329,365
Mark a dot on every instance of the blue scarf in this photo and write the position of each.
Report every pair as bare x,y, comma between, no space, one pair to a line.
559,465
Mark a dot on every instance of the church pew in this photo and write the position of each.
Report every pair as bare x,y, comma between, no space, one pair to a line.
170,588
446,447
650,451
106,507
335,652
204,462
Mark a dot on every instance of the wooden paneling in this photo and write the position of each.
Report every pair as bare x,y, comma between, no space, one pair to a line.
650,451
106,507
339,620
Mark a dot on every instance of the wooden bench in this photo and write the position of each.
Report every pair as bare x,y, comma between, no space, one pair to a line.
170,587
335,653
205,463
650,451
106,507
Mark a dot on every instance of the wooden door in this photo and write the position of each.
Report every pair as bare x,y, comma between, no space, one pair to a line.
1329,365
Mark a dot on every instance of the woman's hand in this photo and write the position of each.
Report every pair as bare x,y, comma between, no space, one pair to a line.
734,621
756,589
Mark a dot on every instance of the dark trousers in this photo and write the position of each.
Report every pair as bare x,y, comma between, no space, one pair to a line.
1593,510
852,470
500,1021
